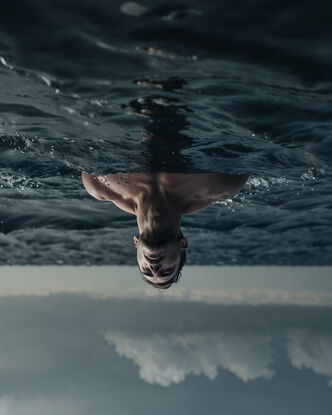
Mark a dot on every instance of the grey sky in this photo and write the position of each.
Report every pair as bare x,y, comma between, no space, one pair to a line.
87,353
210,284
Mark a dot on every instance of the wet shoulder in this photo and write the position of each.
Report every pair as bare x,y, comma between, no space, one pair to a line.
205,185
196,191
101,187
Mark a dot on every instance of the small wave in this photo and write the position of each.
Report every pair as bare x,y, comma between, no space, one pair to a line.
18,182
133,9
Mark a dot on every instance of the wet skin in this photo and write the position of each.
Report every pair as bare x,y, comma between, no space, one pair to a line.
160,265
159,201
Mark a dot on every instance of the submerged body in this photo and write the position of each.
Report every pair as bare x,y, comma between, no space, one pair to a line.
159,201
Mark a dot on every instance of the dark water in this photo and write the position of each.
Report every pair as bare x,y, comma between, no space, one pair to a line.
232,86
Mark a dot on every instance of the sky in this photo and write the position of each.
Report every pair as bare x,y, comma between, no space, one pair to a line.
76,348
210,284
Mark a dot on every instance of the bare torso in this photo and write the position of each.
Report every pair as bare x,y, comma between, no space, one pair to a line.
193,191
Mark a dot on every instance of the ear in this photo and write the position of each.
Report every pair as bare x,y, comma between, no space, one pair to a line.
135,241
184,243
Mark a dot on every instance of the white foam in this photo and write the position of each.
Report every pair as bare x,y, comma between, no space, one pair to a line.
133,9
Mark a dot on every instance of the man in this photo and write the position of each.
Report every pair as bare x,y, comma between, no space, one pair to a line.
159,201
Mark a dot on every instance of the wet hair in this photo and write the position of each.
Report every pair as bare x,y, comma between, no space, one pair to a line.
174,280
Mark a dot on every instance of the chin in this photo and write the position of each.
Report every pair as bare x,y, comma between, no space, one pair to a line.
155,242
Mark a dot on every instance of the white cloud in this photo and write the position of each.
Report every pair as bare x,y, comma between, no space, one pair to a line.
307,349
170,358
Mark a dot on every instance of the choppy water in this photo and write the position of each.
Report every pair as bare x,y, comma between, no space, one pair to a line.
232,86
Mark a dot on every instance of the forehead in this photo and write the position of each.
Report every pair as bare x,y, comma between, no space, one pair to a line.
159,280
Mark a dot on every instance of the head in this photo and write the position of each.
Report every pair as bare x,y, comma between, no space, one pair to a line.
161,262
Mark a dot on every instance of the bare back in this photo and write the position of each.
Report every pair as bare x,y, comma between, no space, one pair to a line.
194,191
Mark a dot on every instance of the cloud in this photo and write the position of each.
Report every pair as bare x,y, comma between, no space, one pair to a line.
165,359
310,350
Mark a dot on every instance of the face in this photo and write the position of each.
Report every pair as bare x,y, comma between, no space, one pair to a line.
159,262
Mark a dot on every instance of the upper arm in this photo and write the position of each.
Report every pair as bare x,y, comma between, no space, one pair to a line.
221,187
97,189
228,185
102,190
196,206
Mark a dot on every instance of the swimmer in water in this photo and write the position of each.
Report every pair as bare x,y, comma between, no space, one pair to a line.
159,201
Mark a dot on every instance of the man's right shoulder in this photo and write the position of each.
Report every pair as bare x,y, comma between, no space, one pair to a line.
99,190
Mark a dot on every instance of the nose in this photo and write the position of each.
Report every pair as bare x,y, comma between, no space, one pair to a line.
154,267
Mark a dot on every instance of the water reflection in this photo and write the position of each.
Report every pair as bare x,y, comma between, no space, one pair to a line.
164,139
159,202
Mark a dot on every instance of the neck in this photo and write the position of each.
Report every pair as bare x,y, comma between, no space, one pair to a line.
158,215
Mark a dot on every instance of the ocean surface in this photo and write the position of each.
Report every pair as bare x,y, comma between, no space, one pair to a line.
192,87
